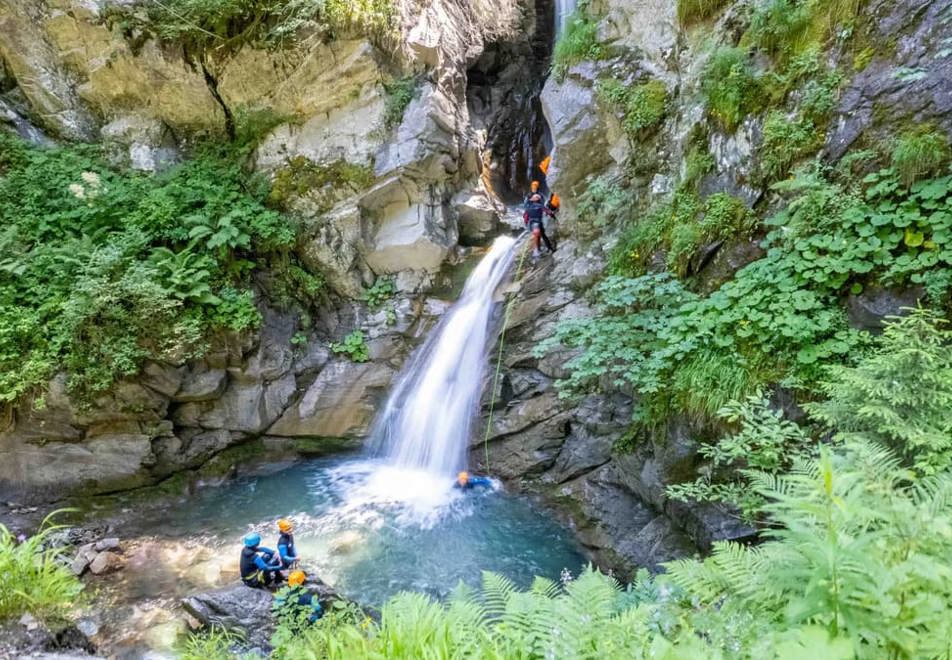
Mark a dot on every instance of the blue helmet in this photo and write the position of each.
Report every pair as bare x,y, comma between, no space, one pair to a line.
252,540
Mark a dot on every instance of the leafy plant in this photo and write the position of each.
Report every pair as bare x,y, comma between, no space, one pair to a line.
35,579
605,202
101,270
785,141
382,290
643,105
216,643
899,394
778,26
578,42
732,89
920,153
765,443
400,92
354,346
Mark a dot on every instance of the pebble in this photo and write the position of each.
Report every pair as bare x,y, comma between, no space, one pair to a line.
105,562
111,543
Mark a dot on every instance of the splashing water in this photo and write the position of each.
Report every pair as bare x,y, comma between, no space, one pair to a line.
424,428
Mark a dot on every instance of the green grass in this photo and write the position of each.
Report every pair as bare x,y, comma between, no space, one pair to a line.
920,153
731,86
645,107
35,581
578,42
213,644
786,141
400,92
692,11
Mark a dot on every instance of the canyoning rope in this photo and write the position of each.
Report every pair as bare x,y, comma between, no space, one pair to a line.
502,342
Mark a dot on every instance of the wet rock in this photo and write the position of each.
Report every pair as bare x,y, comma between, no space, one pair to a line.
870,309
340,403
79,564
909,78
236,608
111,543
105,562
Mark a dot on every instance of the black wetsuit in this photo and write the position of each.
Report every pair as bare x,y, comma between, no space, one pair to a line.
257,569
534,217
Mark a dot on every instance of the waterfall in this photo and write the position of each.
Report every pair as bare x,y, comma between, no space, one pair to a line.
563,10
426,422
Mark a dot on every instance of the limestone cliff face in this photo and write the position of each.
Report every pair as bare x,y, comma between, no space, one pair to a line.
70,73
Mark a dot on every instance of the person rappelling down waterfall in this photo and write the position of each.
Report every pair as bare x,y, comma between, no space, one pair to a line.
465,481
534,218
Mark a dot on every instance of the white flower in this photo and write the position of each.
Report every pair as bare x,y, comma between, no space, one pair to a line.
92,178
78,191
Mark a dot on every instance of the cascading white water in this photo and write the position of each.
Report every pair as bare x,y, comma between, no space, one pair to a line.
563,10
426,422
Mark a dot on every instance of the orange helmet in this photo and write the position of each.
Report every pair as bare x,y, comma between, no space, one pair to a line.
555,201
285,525
296,578
462,478
535,186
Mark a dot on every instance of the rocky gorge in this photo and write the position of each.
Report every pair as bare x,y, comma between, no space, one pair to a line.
427,189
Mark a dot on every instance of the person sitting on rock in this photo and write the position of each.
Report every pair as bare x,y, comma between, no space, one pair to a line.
259,566
293,603
286,543
534,218
466,482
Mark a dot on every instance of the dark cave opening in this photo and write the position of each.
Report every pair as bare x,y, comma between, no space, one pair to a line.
503,95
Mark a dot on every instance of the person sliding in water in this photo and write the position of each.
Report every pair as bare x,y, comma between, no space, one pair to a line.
259,566
466,482
286,543
534,218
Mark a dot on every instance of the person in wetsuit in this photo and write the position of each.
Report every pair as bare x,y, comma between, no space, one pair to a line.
466,482
286,548
259,566
296,601
534,218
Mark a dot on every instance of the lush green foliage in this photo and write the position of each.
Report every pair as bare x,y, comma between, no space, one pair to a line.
779,316
732,88
900,395
920,153
382,291
297,637
690,11
354,346
101,270
785,141
854,547
854,565
680,228
784,28
324,184
578,42
400,92
215,643
643,105
765,442
218,28
35,579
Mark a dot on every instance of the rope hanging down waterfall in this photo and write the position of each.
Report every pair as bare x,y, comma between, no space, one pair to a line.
502,342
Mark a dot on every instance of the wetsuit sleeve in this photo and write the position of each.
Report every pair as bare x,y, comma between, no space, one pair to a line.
262,565
285,557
